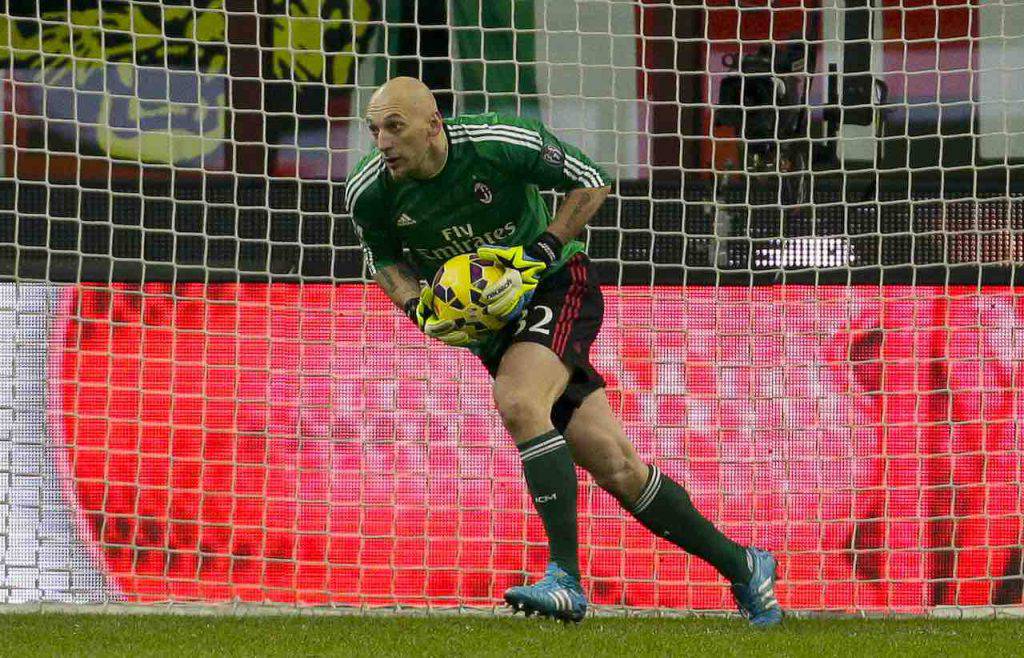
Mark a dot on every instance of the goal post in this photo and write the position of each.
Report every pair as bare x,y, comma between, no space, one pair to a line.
811,262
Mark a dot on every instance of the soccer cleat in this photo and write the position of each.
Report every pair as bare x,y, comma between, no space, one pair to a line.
756,599
557,595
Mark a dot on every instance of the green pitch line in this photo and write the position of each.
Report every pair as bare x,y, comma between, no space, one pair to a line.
49,634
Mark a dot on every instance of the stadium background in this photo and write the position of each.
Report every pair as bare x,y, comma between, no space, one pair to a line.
202,400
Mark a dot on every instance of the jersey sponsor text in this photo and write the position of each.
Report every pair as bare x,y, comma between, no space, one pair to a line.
461,241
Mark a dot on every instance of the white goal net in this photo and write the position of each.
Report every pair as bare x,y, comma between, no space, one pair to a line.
811,263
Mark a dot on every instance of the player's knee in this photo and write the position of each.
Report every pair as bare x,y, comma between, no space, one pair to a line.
518,407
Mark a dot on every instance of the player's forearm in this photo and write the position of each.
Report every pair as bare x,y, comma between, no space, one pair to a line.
399,282
576,210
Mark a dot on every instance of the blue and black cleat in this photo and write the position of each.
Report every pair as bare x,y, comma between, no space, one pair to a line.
557,595
756,599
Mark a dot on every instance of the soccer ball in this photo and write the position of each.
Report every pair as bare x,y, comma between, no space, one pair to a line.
458,285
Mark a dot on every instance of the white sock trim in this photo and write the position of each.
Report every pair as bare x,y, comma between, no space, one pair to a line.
649,492
542,448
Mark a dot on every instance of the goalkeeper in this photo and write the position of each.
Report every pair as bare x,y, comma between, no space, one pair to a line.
434,188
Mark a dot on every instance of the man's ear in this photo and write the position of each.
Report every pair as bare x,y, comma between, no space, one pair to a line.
436,124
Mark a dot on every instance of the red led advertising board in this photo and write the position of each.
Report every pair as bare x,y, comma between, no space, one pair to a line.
305,444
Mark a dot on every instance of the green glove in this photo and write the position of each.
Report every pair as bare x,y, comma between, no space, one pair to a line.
421,311
508,296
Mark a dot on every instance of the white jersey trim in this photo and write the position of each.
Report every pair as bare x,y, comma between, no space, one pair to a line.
362,180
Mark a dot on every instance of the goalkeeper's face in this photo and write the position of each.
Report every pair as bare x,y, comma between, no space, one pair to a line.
405,129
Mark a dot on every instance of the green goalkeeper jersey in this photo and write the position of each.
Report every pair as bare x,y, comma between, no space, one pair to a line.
487,193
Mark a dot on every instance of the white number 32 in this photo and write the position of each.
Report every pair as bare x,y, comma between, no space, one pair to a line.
540,326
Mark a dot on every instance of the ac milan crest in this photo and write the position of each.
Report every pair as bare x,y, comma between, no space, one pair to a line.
483,192
552,155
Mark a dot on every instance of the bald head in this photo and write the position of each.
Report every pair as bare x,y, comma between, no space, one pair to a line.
407,128
406,94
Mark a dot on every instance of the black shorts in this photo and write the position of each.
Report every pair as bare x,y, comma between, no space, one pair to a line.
564,315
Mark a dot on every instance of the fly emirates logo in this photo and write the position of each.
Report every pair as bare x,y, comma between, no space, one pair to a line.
461,240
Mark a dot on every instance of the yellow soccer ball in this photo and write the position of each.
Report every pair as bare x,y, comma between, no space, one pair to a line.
457,287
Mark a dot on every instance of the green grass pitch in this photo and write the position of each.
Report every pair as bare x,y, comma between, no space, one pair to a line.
54,634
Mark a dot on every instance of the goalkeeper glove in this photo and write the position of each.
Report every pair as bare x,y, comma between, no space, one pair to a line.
421,311
506,297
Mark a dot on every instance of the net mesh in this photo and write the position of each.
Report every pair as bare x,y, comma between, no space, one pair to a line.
811,263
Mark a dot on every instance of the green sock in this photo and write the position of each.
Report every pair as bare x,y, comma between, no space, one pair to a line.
551,478
665,509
